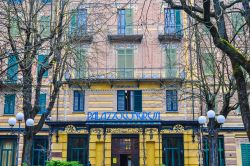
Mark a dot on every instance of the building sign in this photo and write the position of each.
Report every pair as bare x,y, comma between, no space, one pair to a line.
124,116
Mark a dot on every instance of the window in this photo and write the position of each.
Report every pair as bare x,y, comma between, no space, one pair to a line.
221,152
171,101
46,1
39,151
172,22
125,63
78,22
171,63
245,154
79,101
42,104
129,100
173,151
7,151
16,2
125,21
45,26
208,64
80,63
12,71
78,148
9,104
14,30
41,63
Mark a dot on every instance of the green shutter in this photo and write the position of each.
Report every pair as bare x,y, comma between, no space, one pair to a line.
171,63
121,100
41,63
208,63
129,64
80,62
12,71
73,23
9,104
45,26
237,22
245,154
42,104
129,21
178,21
14,31
138,101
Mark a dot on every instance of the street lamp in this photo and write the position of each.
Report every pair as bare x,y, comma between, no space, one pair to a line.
212,130
12,122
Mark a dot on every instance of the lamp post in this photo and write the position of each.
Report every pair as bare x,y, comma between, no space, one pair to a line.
12,121
212,134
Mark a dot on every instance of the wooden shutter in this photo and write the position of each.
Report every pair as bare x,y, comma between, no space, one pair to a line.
129,63
81,101
237,22
121,55
79,97
72,27
41,64
171,100
42,104
208,64
76,101
80,63
138,101
178,21
81,21
171,62
174,101
129,21
12,71
245,154
9,105
121,100
14,30
45,26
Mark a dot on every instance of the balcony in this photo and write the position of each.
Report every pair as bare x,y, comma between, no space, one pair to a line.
170,33
129,34
85,36
125,74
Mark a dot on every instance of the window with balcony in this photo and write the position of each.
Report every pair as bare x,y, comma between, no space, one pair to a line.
125,21
171,63
45,26
39,151
12,70
221,151
42,64
80,63
125,59
9,104
42,104
79,97
172,22
78,23
78,148
171,101
129,100
7,151
245,154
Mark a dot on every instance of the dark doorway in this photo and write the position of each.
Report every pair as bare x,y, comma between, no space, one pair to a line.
125,150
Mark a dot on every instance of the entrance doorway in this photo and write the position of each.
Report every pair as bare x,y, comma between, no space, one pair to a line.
125,150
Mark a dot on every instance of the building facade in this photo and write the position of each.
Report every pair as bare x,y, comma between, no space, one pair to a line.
128,96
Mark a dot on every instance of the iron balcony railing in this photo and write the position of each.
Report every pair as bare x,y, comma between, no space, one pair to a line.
125,73
125,30
171,30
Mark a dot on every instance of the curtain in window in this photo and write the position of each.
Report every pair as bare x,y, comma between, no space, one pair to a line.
8,153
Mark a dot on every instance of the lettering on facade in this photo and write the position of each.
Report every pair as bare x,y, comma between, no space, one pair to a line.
148,116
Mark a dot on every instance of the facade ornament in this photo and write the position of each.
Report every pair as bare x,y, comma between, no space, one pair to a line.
124,130
70,129
178,128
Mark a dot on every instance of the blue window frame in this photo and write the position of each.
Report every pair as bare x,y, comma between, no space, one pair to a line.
221,152
121,21
9,104
172,21
79,97
41,63
78,148
39,151
46,1
7,150
173,150
42,104
129,100
15,2
12,70
171,101
78,22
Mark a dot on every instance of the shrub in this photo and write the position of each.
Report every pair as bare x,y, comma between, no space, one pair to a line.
63,163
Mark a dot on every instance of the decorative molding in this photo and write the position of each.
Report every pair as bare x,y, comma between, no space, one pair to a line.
70,129
151,131
178,129
96,131
124,130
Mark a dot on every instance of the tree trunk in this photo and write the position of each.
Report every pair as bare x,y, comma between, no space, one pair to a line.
213,143
27,148
242,97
